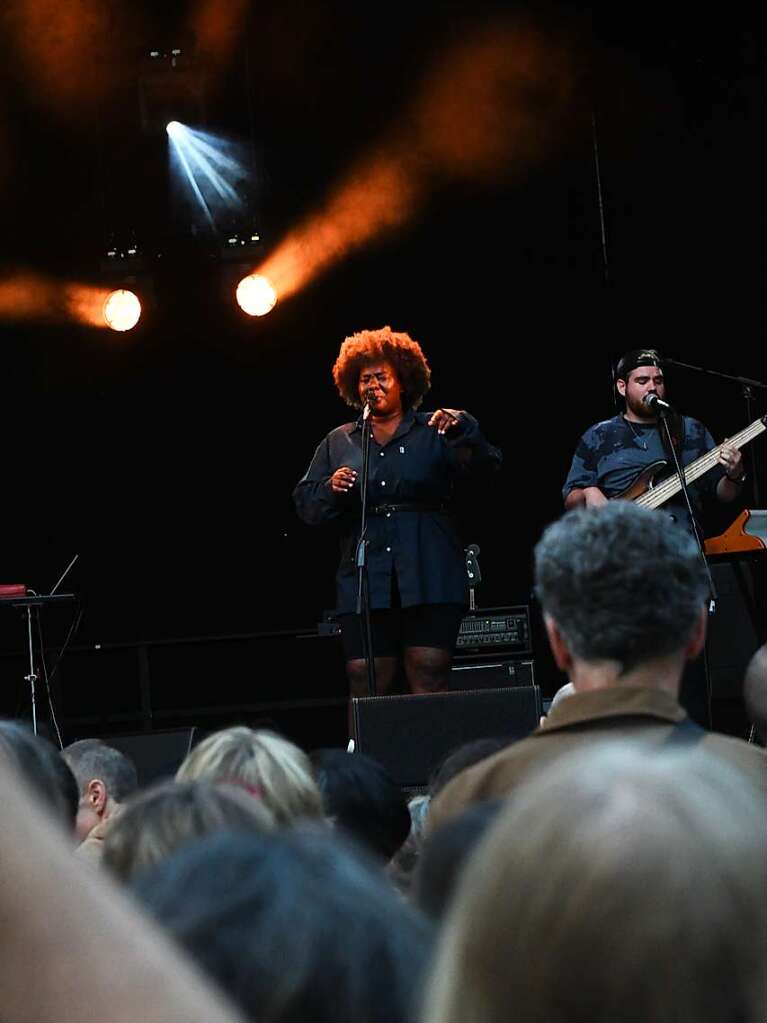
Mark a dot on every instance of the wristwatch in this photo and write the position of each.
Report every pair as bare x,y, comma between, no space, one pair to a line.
739,480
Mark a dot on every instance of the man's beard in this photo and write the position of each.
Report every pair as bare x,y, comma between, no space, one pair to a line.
638,408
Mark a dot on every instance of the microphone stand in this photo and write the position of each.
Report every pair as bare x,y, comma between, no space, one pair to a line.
31,678
361,558
30,605
713,596
748,386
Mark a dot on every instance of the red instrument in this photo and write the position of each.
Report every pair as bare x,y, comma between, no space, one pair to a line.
747,533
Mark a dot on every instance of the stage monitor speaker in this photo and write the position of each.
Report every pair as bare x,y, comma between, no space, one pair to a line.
411,735
157,755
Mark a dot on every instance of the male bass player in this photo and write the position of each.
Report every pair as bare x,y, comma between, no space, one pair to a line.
611,454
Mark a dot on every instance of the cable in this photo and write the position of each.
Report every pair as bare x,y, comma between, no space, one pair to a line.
49,678
600,198
72,630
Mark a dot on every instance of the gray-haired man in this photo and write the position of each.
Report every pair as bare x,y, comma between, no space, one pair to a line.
623,592
105,778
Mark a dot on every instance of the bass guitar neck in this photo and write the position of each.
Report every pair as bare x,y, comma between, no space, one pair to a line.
648,494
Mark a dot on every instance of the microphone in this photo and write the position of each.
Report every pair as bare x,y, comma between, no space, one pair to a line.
368,404
656,404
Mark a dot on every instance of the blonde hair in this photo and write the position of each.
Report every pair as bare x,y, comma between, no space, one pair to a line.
262,760
617,885
154,824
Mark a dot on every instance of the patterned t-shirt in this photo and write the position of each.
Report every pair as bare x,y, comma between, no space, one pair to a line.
611,454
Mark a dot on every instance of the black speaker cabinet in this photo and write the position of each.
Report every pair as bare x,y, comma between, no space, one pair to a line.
411,735
157,755
733,632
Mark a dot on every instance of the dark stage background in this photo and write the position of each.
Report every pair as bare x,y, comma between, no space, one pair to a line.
165,458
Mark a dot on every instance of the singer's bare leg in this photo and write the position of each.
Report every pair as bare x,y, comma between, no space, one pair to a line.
357,672
427,668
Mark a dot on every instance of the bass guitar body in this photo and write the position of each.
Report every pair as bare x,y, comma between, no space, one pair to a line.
643,482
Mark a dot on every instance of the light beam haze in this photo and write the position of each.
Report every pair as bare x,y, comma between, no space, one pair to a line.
489,106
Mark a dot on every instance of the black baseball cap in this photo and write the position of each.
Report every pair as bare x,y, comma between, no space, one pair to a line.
635,358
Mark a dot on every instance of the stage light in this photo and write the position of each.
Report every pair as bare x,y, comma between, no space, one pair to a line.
210,173
122,310
255,295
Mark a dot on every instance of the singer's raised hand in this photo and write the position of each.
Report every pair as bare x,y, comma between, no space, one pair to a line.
444,419
343,479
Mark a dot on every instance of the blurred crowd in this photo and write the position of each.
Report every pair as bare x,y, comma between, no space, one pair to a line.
610,866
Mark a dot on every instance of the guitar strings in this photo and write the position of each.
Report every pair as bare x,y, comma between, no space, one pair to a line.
655,497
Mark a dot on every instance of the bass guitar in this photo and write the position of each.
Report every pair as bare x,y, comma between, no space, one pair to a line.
645,491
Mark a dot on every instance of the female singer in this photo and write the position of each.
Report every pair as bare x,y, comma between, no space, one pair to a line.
417,582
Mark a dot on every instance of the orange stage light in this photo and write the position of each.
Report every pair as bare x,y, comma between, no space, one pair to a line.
33,297
255,295
122,310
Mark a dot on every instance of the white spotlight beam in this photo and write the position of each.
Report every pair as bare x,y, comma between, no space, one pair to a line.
210,172
226,163
179,151
223,188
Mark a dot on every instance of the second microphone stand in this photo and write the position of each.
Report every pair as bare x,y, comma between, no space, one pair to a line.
361,559
713,597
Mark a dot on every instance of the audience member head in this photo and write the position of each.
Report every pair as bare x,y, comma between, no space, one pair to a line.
294,926
42,767
622,588
156,823
444,855
458,760
755,692
619,884
105,778
362,799
262,761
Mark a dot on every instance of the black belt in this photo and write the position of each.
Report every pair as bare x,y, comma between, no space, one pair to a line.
407,506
